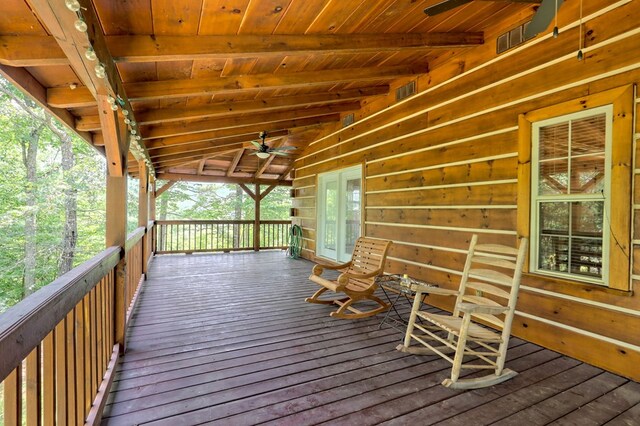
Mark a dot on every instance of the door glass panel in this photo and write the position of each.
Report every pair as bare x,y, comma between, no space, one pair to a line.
331,215
352,215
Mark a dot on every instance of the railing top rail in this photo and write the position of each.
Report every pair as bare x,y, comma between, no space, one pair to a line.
276,222
221,222
203,222
23,326
134,237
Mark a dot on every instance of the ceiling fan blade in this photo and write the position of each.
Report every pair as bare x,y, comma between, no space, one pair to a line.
278,153
257,144
444,6
284,148
542,18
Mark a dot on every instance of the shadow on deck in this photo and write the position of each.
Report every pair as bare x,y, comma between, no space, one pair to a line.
228,339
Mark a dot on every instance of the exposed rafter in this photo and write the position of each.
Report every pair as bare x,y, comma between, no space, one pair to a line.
64,97
187,127
219,179
43,50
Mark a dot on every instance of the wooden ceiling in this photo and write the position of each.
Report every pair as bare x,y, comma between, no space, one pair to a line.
202,78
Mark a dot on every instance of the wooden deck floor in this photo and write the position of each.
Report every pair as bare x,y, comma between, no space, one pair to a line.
227,339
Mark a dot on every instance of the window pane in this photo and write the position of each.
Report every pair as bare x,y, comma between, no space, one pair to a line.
587,218
586,256
587,174
553,253
588,135
352,214
588,154
554,141
331,213
553,177
554,218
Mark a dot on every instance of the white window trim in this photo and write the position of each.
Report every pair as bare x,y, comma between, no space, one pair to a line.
535,198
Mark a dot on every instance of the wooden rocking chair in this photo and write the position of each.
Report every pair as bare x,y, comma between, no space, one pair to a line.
487,295
357,280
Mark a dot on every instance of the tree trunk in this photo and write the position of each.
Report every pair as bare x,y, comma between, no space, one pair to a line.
70,233
29,156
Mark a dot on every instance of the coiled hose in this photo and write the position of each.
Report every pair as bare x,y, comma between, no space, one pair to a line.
295,242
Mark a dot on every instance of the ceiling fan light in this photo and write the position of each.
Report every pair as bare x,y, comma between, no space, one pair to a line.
263,155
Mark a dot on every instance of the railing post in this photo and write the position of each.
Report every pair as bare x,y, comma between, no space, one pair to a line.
116,235
143,210
256,220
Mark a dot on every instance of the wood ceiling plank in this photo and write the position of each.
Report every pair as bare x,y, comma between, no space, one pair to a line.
17,18
222,16
332,17
238,66
181,156
182,128
299,15
226,108
212,140
366,12
65,97
262,17
173,17
125,17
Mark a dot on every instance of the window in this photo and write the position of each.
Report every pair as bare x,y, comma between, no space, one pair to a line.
574,188
339,212
570,206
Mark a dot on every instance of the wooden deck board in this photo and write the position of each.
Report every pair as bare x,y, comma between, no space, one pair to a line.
228,339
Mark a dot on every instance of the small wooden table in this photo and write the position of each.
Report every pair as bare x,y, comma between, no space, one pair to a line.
392,284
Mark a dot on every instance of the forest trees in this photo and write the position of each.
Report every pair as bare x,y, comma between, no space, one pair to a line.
51,184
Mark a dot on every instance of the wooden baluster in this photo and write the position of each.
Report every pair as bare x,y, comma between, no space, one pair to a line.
48,380
94,342
86,315
13,398
59,335
34,406
71,363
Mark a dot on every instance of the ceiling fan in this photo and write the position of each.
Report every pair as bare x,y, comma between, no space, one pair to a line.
264,151
540,21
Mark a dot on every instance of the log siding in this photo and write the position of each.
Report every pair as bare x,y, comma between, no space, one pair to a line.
443,164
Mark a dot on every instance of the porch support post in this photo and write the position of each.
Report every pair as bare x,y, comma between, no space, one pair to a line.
143,211
116,235
256,220
116,226
152,213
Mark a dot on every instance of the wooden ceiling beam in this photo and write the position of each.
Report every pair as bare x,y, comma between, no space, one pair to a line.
228,108
252,130
23,51
234,163
183,128
65,97
218,141
186,158
220,179
197,154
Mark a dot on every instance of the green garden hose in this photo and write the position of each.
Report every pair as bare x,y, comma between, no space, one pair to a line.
295,242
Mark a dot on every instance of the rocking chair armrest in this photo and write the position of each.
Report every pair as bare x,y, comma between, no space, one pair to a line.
441,291
319,268
345,276
471,308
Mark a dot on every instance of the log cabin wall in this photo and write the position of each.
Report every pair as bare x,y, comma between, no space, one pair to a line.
443,165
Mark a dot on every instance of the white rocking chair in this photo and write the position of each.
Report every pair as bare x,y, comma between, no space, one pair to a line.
485,295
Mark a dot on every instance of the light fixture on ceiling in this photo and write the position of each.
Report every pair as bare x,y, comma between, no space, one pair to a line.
263,155
101,72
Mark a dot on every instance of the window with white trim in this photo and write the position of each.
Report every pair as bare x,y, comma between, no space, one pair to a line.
570,193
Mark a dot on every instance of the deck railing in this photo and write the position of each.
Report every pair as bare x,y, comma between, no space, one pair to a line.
59,346
192,236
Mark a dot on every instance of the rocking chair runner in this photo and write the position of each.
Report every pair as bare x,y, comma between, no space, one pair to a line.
357,280
488,295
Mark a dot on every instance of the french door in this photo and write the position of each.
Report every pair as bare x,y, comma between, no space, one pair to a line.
339,213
